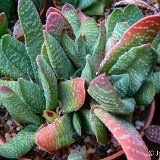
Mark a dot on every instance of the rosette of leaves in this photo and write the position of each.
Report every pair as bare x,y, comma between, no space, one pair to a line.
90,7
57,79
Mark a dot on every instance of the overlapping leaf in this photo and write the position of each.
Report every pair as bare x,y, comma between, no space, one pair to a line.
49,83
126,135
72,94
56,135
19,145
33,31
104,93
3,24
17,108
142,32
57,57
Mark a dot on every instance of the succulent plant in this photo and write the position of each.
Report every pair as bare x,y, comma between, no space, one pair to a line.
56,76
90,7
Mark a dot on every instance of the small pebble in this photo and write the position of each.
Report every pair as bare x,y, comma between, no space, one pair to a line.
109,151
83,150
87,139
9,122
142,108
91,150
7,135
138,127
55,157
18,129
139,123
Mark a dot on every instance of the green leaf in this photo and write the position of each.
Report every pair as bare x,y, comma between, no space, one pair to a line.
72,94
17,108
77,123
125,133
132,14
90,30
137,63
6,68
99,48
146,29
88,73
3,24
19,145
49,83
145,94
71,50
100,129
116,16
75,155
7,7
45,54
28,92
84,4
56,135
16,53
104,93
57,57
155,79
119,29
70,14
33,31
121,84
86,118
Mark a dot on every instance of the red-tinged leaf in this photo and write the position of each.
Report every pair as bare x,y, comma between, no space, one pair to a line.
81,16
3,24
139,3
72,94
153,133
56,135
103,92
52,10
110,43
55,23
126,135
142,32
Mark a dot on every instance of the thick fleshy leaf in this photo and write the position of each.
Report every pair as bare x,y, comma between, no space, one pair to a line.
88,73
142,32
153,133
55,23
16,53
86,118
57,57
121,84
45,54
99,129
115,17
71,15
53,9
75,155
33,31
72,94
119,29
19,145
17,108
49,83
84,4
77,124
28,92
110,43
104,93
145,94
99,49
155,79
137,63
71,50
56,135
3,24
126,135
6,68
132,14
90,30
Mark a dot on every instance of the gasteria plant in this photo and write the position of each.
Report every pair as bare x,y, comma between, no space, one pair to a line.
54,83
